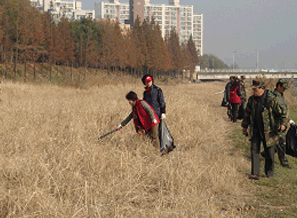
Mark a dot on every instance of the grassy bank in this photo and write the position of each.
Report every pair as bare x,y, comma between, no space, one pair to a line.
63,76
77,77
53,166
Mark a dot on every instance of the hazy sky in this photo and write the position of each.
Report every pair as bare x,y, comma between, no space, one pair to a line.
245,26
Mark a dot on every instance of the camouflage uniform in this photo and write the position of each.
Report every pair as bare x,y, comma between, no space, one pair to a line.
280,145
243,93
264,116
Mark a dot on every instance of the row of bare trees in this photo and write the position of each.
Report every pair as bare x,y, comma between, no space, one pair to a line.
29,36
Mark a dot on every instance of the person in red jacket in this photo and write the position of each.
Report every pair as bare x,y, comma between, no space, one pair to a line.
146,121
235,99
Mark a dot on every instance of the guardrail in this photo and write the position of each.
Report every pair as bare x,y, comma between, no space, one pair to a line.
225,74
237,71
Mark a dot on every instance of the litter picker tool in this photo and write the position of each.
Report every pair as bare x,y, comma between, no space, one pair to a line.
109,133
219,92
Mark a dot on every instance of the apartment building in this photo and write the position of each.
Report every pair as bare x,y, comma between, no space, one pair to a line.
198,32
172,16
70,8
58,5
113,10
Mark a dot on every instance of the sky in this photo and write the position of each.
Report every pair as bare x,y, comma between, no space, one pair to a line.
240,28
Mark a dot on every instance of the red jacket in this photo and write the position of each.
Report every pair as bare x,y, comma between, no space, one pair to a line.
144,117
234,98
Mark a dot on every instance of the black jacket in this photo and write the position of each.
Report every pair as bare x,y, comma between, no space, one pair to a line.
227,91
155,99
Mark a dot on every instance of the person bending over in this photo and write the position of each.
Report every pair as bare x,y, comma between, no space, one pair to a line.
145,119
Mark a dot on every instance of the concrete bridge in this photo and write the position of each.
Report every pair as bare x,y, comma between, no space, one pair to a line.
249,74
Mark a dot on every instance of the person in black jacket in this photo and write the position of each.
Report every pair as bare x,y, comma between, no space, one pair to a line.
235,99
154,96
227,96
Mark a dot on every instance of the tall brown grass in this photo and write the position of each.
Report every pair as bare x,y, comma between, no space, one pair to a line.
52,164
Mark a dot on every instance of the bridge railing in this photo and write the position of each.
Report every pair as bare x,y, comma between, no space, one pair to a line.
238,71
225,74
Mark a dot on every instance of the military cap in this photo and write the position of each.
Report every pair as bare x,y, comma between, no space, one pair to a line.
242,77
284,83
258,83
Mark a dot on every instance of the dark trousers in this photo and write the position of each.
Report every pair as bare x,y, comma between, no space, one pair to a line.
229,108
255,155
281,151
234,111
154,135
280,148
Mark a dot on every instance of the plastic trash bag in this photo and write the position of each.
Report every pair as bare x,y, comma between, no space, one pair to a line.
291,140
166,139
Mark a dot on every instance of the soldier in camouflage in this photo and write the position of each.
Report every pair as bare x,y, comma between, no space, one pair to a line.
265,117
281,86
280,145
243,91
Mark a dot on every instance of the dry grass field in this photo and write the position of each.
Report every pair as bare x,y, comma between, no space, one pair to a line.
52,164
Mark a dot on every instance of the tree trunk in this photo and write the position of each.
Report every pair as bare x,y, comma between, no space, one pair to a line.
25,70
57,73
72,71
42,63
34,64
50,76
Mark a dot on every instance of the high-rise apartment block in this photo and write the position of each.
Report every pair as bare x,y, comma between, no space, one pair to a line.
198,32
70,8
169,17
113,10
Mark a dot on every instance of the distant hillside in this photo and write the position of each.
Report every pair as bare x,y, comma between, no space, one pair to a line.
212,62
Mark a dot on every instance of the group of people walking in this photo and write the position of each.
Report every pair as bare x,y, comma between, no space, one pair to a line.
264,113
236,96
266,117
148,113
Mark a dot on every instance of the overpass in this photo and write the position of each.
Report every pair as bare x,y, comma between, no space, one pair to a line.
224,74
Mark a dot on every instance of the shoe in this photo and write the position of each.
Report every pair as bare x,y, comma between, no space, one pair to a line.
254,177
262,154
286,166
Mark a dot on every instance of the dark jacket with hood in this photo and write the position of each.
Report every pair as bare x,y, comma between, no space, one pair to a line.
154,96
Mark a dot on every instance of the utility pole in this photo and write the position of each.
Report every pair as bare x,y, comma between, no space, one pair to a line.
234,60
257,63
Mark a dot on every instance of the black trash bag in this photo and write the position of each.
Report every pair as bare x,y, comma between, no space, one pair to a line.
166,139
240,112
291,141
